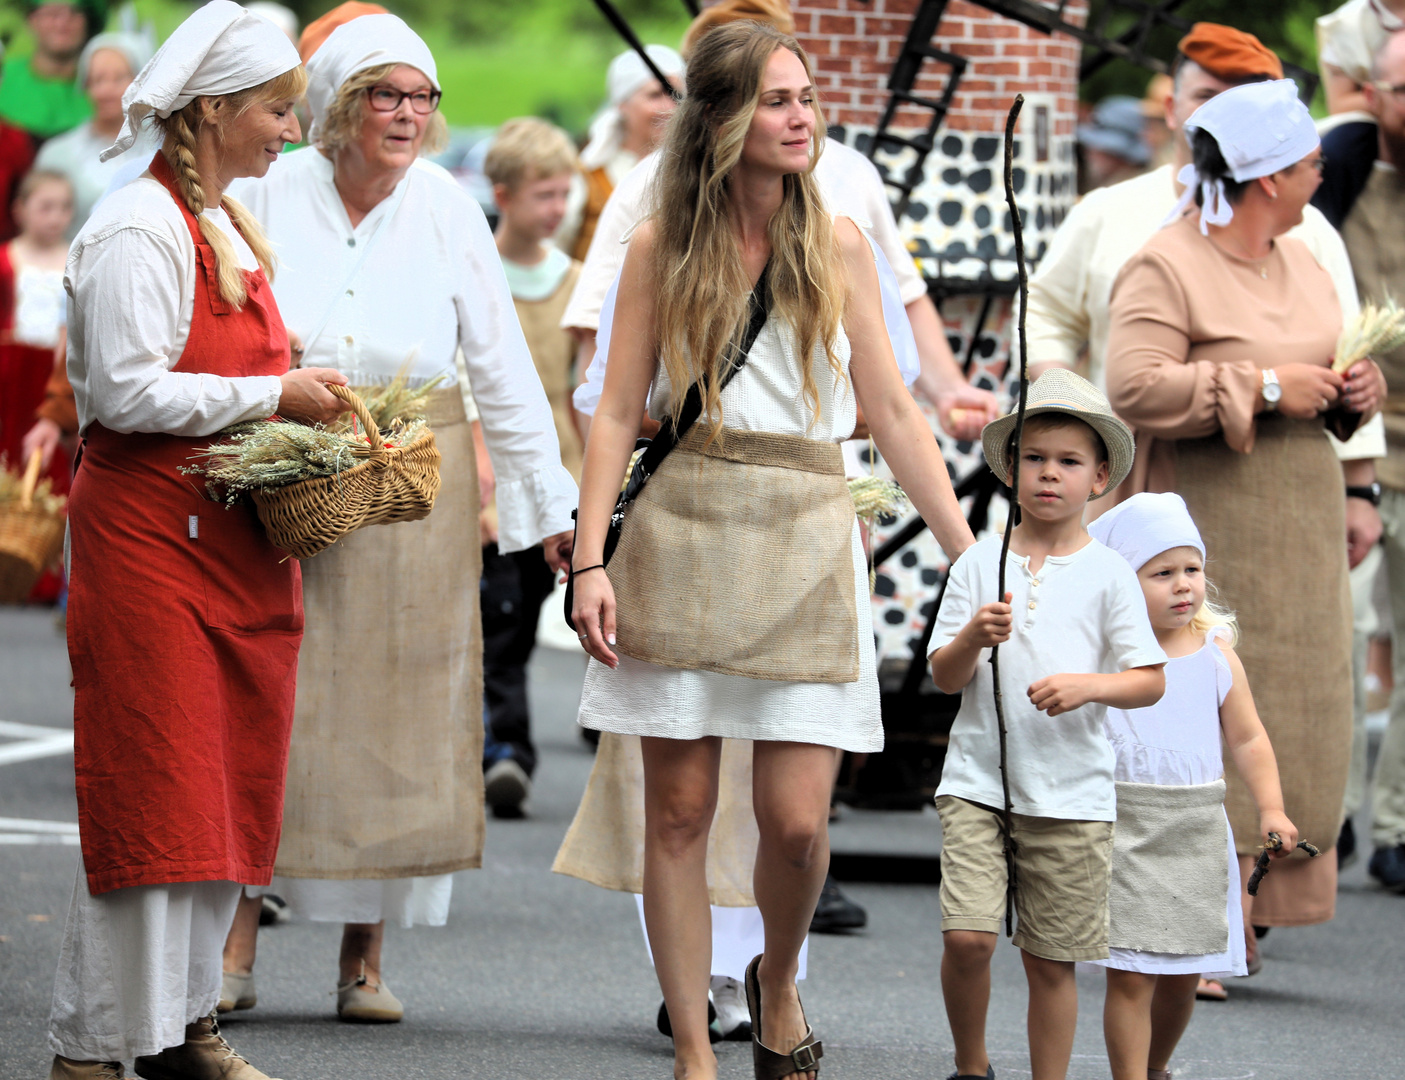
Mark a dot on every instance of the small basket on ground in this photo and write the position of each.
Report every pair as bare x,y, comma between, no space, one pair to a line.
388,484
31,536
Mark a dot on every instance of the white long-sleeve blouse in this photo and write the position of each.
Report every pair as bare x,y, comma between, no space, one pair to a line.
130,278
431,282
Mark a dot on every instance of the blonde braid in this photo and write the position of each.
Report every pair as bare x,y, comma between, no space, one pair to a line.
181,132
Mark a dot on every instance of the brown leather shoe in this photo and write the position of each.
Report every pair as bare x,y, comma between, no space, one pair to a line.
203,1056
63,1069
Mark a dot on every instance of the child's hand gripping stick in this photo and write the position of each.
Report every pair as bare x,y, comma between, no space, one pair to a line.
1267,852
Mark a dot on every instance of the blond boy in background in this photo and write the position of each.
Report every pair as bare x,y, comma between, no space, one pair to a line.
530,165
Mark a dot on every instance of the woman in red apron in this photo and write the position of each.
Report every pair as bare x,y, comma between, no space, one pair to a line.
184,621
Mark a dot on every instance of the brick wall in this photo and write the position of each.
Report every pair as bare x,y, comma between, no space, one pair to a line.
853,45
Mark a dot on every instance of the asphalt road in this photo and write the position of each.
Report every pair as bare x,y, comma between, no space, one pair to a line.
540,976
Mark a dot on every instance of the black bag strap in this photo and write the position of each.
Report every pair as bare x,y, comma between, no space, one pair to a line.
669,435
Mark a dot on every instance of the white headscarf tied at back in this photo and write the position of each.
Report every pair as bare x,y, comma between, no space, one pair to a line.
1146,525
221,49
626,76
365,42
1261,128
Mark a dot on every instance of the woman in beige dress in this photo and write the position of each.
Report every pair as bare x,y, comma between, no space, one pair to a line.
1220,354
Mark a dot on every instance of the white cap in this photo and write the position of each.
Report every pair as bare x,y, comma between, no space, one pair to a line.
365,42
220,49
1145,525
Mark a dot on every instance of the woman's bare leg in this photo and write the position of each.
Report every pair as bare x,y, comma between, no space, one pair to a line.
680,798
1171,1009
361,945
791,785
1127,1022
241,946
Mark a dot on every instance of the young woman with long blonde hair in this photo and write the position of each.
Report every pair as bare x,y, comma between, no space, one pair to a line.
736,605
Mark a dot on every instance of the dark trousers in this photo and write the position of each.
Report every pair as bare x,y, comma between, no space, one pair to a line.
511,594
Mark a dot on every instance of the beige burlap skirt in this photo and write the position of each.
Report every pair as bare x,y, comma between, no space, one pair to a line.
605,844
737,558
1274,524
1170,866
385,772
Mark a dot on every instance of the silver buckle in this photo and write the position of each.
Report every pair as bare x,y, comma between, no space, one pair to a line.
807,1063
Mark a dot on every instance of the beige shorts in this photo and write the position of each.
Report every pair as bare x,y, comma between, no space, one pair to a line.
1061,879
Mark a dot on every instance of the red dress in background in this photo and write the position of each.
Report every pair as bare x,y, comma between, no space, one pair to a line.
24,374
16,156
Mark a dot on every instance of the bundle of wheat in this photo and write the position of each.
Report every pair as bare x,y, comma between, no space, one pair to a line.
1377,329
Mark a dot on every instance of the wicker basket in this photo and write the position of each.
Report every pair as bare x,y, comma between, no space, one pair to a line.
392,483
31,539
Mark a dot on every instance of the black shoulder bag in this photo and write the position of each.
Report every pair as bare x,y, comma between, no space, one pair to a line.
669,435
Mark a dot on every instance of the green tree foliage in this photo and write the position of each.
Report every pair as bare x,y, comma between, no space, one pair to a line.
1285,26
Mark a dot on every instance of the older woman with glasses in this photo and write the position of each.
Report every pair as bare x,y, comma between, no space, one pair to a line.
389,268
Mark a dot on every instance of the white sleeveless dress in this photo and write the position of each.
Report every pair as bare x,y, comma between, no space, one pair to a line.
1177,741
639,698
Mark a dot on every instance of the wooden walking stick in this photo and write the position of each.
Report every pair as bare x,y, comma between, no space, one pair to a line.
1007,815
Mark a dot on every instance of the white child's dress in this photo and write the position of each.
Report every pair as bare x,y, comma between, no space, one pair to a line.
1177,741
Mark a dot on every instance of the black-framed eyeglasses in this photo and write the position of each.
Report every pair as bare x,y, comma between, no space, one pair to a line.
387,99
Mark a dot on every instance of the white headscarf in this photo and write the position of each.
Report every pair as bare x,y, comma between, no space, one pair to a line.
1260,128
1146,525
135,48
365,42
221,49
627,74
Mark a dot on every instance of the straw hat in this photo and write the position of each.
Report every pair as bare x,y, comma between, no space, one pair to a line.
1059,390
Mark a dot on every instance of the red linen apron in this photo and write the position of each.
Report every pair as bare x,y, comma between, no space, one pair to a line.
183,629
24,375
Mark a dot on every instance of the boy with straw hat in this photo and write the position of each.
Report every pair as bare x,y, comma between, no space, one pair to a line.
1081,642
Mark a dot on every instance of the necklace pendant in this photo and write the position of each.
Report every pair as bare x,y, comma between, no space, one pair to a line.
1263,272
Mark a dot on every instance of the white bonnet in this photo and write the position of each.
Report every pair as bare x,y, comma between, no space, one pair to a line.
220,49
1260,128
626,76
365,42
1145,525
134,47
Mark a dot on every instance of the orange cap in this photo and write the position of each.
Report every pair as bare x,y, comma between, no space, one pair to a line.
775,12
1229,54
319,30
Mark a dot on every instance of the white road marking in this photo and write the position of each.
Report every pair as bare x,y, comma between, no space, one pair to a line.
28,831
33,742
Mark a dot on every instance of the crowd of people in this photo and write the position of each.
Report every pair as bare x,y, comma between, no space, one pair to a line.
712,272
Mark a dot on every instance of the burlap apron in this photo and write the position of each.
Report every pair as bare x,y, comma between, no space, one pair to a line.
1170,869
737,558
385,778
1274,524
605,844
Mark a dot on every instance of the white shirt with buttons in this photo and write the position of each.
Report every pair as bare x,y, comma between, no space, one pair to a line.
1081,613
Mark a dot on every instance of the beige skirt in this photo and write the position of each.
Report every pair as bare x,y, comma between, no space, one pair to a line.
385,772
1170,865
1274,524
737,559
605,844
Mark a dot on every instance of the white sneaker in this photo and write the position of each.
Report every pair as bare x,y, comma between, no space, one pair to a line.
733,1016
237,992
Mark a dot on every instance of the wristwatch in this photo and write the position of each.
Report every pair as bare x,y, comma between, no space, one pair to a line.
1370,492
1273,393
